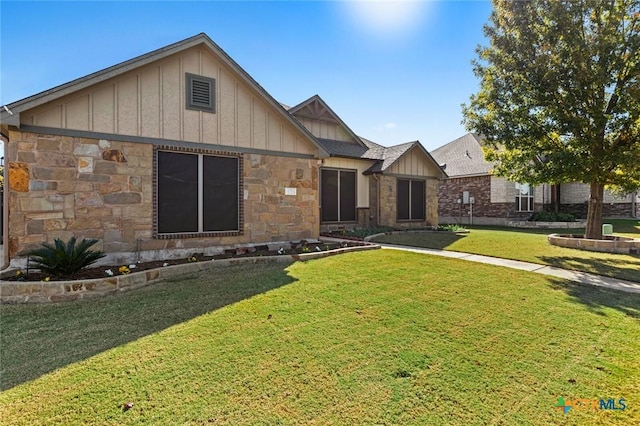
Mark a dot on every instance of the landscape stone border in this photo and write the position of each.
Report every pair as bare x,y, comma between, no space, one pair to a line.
623,245
62,291
546,225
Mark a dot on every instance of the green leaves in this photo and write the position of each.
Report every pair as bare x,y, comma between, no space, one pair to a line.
561,80
560,92
64,259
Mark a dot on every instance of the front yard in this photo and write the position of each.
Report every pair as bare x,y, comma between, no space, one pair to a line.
379,337
530,245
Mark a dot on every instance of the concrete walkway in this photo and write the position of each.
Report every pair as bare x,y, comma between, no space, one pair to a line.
581,277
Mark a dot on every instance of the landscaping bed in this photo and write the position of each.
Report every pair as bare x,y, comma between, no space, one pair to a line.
293,248
102,281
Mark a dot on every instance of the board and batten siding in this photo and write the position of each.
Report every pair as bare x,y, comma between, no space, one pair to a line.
362,181
414,163
150,102
326,130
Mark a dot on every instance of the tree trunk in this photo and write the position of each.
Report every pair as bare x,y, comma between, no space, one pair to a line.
594,213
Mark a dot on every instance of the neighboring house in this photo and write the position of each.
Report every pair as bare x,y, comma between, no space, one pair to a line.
181,151
497,200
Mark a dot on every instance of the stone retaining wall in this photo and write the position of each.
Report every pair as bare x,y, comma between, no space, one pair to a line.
61,291
547,225
608,245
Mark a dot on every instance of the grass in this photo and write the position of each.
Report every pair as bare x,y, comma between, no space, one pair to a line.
378,337
530,245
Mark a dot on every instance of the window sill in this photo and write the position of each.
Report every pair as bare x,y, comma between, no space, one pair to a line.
180,235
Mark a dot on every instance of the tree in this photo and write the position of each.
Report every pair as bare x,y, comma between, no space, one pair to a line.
559,97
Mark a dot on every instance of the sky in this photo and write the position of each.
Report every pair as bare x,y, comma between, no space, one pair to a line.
393,71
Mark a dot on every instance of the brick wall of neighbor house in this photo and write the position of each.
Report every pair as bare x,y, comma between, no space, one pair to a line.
479,187
387,211
64,186
574,198
492,197
579,210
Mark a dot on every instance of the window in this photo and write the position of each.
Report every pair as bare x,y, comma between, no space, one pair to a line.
197,193
200,93
524,197
338,195
411,200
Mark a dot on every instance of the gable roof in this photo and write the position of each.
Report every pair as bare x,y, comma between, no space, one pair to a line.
10,114
317,109
463,157
390,155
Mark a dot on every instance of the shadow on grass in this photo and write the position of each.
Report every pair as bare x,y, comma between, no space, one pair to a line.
610,267
432,240
597,298
38,339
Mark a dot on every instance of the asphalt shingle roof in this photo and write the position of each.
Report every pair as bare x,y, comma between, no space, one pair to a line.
462,157
343,149
389,156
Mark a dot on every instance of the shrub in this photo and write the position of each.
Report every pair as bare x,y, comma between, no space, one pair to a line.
62,259
451,228
552,217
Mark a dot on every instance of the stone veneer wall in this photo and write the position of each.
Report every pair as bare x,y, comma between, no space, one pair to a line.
62,186
388,202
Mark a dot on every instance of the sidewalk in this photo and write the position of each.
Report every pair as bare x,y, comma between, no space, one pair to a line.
581,277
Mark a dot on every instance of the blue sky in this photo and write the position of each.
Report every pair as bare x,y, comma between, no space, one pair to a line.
393,71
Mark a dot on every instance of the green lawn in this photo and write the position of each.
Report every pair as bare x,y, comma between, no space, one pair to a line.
376,337
530,245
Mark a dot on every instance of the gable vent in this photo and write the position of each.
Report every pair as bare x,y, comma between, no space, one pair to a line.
200,93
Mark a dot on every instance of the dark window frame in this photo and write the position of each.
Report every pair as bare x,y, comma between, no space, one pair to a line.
411,195
200,232
197,82
340,196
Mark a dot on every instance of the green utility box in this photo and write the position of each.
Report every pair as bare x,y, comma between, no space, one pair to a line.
607,229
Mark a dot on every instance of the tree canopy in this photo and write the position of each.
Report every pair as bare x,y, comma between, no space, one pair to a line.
559,97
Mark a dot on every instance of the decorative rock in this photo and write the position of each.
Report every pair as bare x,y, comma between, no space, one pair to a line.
19,177
114,155
85,164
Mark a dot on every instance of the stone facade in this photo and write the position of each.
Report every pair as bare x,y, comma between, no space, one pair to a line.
388,201
61,186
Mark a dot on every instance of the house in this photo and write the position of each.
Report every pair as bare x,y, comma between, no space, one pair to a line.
471,193
365,183
180,151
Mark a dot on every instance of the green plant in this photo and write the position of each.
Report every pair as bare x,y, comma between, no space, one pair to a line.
62,259
552,217
451,228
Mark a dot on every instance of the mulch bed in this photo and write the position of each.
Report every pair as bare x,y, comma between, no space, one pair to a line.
255,251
